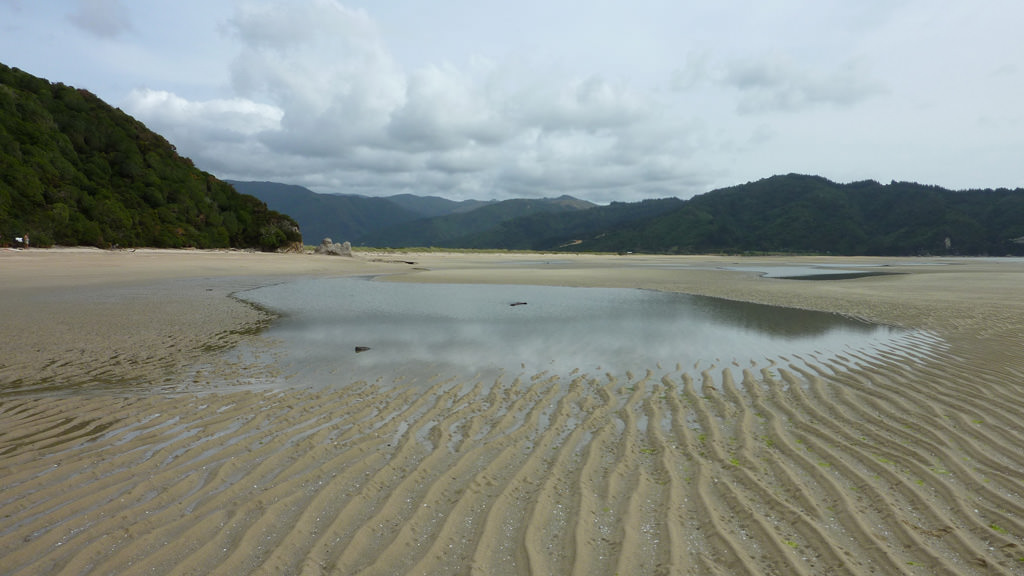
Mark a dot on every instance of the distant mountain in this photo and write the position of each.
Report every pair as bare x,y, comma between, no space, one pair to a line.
430,206
454,230
782,214
76,171
354,218
809,214
398,221
335,216
566,230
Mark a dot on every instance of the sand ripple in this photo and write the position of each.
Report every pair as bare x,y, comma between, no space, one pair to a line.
906,461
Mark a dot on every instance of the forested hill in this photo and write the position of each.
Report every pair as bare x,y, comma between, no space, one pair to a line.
782,214
335,216
350,217
810,214
403,219
76,171
465,229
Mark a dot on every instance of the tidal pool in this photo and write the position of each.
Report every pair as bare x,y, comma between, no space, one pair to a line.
461,329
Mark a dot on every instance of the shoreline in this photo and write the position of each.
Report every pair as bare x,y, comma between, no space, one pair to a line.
98,316
69,311
906,461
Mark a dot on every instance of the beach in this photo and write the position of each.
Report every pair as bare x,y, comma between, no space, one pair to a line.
131,443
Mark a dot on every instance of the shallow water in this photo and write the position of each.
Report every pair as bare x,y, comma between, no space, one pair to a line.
463,329
861,450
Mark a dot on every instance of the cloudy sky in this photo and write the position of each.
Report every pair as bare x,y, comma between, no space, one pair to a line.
603,100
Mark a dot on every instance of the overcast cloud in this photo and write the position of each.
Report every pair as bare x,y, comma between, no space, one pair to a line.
601,100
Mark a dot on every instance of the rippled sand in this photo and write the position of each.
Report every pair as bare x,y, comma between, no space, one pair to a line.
122,451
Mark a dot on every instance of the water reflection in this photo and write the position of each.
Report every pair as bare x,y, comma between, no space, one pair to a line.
816,271
473,328
778,322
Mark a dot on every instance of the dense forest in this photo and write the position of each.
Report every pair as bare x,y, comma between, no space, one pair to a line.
464,229
790,214
76,171
337,216
403,219
810,214
793,214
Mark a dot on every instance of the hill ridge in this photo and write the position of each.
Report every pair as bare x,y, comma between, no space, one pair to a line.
790,213
76,171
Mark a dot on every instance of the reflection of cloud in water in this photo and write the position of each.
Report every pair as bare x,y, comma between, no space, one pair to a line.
472,328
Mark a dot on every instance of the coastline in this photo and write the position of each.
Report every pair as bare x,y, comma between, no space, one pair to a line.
94,316
906,462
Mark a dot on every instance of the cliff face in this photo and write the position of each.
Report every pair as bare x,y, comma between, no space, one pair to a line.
76,171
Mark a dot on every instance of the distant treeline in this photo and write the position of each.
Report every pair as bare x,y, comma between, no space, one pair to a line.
810,214
781,214
400,220
76,171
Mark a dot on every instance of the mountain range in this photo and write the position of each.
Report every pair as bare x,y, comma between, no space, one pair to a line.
401,220
350,217
791,213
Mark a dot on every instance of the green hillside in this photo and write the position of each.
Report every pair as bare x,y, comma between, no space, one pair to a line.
565,230
782,214
457,230
796,213
76,171
335,216
431,206
355,218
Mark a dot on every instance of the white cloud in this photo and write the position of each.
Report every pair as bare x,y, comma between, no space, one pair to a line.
319,91
219,134
445,109
765,84
380,98
230,116
466,160
104,18
325,67
591,104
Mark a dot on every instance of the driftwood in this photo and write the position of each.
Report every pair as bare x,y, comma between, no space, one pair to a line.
518,304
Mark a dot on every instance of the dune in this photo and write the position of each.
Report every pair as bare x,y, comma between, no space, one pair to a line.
130,443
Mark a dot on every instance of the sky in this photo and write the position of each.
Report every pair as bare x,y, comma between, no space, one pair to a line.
602,100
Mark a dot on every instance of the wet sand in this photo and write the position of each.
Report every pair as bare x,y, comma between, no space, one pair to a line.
122,452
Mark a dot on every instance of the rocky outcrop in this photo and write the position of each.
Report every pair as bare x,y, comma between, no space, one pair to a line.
331,249
292,248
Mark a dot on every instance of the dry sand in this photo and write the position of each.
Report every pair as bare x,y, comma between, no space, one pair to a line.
115,457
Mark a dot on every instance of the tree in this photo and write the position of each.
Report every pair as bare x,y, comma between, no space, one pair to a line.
76,171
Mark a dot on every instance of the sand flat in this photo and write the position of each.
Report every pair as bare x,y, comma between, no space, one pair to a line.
116,458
